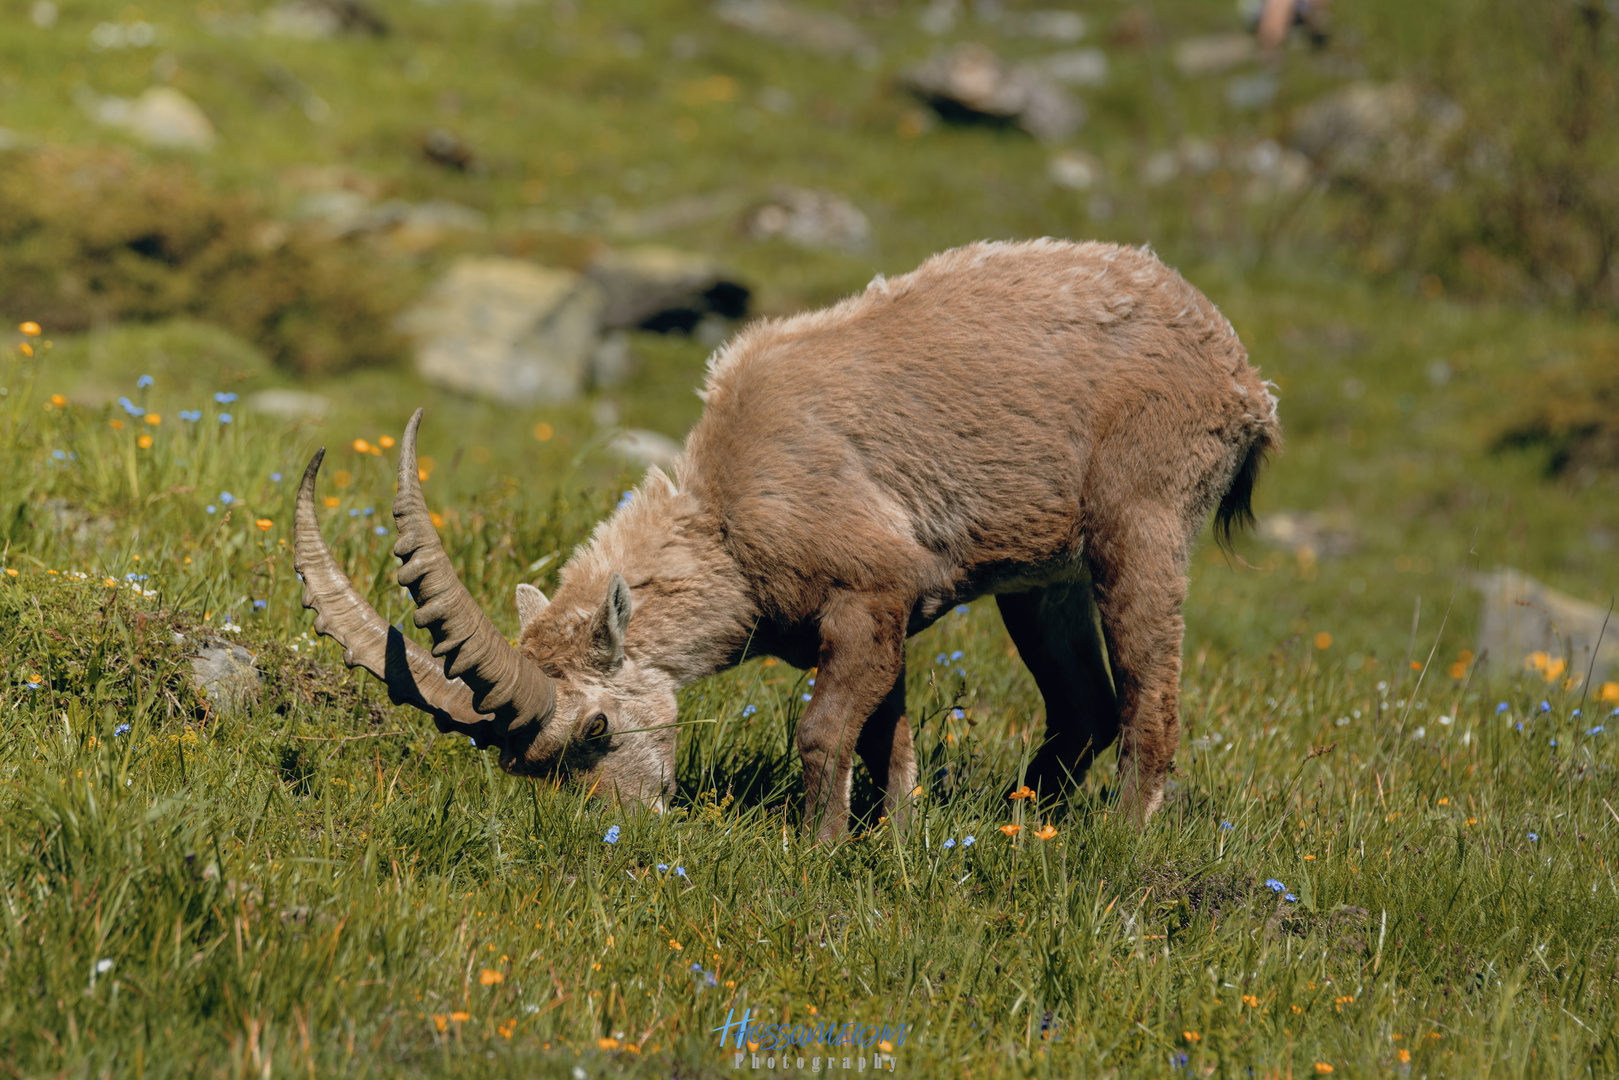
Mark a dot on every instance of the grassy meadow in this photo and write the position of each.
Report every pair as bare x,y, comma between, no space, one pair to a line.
1379,856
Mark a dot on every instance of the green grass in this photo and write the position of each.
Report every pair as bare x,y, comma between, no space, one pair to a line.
318,883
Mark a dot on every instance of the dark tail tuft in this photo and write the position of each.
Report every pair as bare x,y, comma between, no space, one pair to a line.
1236,507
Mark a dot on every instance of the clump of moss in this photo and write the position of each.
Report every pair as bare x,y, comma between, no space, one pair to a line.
94,235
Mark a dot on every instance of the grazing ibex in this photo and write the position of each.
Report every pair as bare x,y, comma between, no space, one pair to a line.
1044,421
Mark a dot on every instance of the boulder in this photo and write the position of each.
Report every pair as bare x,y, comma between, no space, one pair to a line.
1388,130
810,219
160,116
225,674
663,289
507,330
817,31
1525,625
970,83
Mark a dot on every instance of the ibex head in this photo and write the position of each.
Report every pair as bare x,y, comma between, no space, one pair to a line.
573,706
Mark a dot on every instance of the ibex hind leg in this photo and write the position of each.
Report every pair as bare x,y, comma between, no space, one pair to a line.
1139,571
1056,633
885,746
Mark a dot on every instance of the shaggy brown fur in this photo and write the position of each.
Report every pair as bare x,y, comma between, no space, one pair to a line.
1047,422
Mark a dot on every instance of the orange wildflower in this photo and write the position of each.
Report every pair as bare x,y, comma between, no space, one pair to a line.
1011,830
264,524
30,328
1045,833
489,977
58,400
1024,792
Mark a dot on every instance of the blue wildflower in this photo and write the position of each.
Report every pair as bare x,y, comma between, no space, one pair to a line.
381,530
950,843
957,655
663,867
192,415
680,871
962,609
368,511
810,681
612,835
354,512
968,841
1545,706
210,509
259,605
59,455
1518,725
130,407
625,500
1534,837
808,696
750,710
224,418
1552,742
958,714
1227,825
224,398
1501,708
1576,712
121,729
941,659
226,497
709,979
1290,898
276,477
696,968
144,381
1598,730
1275,886
32,685
1178,1061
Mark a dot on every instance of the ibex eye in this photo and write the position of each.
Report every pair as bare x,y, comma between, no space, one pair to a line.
598,726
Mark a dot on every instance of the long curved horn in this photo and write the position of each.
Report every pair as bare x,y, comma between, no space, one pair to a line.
411,673
503,683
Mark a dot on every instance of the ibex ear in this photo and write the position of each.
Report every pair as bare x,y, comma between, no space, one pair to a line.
531,604
608,626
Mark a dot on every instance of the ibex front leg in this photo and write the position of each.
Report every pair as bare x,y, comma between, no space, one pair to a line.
862,654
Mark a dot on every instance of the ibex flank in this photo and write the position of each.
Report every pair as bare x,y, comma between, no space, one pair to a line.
1047,422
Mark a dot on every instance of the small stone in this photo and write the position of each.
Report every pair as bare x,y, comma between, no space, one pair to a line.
225,674
810,219
1075,170
507,330
160,116
1521,616
1061,26
1391,130
817,31
1214,53
1077,67
289,404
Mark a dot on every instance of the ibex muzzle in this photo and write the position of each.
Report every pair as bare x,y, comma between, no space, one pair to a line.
1046,422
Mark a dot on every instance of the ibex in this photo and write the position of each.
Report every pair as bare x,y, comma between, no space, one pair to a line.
1047,422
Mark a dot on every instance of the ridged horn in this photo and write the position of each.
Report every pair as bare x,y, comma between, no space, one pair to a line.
412,675
503,683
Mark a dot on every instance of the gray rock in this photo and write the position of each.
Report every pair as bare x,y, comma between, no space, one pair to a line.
1214,53
1248,92
1076,170
311,20
1061,26
640,447
1391,130
1311,536
612,362
160,116
1520,617
225,674
507,330
818,31
971,83
1076,67
289,404
810,219
663,289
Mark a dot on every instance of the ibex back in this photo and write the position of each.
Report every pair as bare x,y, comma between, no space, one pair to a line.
1047,422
